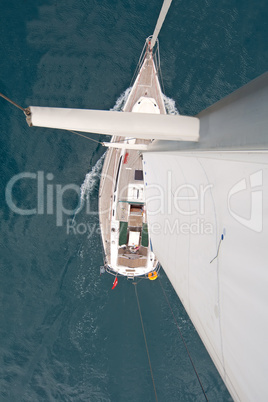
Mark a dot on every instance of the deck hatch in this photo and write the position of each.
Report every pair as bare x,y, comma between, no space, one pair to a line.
138,175
123,233
144,235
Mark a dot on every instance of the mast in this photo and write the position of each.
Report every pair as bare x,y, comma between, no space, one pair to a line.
161,19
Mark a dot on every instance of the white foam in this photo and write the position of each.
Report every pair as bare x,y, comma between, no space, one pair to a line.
93,176
120,103
89,183
168,102
91,179
170,105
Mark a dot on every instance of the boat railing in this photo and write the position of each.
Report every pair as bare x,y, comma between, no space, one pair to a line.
114,273
145,52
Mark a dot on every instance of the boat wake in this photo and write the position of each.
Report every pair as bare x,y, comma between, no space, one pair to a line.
168,102
91,179
120,103
170,105
93,176
89,184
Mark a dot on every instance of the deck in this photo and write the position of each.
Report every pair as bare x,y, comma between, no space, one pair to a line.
147,85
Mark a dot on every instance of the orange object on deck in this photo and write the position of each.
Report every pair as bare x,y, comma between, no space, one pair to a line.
152,275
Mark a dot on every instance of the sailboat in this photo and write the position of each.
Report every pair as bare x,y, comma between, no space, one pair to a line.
202,181
122,205
123,214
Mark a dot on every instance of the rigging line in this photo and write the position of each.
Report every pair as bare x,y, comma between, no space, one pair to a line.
140,62
91,139
222,237
25,110
146,345
155,76
84,136
187,350
13,103
134,162
139,76
161,79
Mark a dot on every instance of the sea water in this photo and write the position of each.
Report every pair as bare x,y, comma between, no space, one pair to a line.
64,334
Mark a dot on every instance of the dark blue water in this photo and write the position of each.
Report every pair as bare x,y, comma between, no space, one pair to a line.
64,334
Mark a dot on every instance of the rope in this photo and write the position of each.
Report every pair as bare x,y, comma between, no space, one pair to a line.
155,83
146,345
84,136
91,139
26,111
13,103
187,350
145,55
222,237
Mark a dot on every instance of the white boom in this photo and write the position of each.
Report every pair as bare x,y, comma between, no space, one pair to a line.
137,125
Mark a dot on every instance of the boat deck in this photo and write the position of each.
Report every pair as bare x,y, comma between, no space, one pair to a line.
147,85
131,162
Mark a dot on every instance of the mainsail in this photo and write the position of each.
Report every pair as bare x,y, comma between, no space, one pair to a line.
205,203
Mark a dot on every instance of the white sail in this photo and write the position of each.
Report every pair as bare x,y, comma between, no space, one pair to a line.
137,125
237,121
208,220
192,200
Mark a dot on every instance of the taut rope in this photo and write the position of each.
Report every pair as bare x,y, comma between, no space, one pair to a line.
25,110
187,350
145,340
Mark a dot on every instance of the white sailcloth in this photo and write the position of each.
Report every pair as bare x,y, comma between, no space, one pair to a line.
202,194
125,124
192,199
